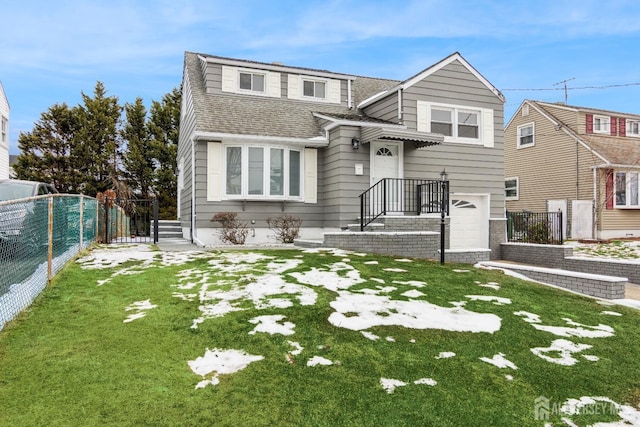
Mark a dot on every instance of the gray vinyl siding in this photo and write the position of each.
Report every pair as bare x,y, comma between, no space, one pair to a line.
341,185
187,127
471,168
384,109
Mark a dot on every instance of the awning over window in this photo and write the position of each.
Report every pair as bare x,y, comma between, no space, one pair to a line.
420,139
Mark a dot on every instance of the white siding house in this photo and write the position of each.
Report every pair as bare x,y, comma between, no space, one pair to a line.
4,135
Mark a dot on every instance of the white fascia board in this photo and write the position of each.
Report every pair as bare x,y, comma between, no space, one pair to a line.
316,141
568,131
377,96
276,67
615,166
446,61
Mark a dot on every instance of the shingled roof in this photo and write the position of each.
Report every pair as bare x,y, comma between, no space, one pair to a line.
616,150
278,117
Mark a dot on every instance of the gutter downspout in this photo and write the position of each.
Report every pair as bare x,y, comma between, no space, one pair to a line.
596,203
400,106
193,189
349,100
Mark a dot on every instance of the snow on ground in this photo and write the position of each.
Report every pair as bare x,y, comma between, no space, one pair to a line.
319,360
220,362
561,352
580,330
629,416
499,361
140,307
271,325
445,355
628,250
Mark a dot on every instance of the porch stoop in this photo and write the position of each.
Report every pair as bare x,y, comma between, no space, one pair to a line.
408,236
169,229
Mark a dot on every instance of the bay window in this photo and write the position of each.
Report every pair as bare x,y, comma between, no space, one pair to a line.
256,171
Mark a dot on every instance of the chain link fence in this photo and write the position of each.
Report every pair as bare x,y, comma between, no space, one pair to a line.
38,237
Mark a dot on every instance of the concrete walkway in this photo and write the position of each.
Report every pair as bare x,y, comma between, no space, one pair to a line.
177,244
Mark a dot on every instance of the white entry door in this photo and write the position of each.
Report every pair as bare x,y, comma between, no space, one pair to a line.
386,163
581,219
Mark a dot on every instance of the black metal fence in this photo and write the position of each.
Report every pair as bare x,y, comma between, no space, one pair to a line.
128,221
535,227
406,196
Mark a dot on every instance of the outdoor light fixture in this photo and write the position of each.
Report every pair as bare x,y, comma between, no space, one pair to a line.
443,207
355,143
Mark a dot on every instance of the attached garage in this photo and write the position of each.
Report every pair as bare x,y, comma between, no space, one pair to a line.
469,221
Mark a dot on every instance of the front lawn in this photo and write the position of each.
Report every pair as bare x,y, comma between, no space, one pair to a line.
128,336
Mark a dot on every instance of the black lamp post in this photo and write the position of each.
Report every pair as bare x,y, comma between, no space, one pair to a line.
443,207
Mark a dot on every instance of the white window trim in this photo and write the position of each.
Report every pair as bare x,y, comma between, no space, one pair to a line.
4,131
533,133
627,190
264,75
517,196
485,122
332,89
607,120
628,128
315,80
244,192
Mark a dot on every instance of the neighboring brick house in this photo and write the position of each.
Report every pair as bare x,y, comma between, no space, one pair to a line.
583,161
4,134
263,139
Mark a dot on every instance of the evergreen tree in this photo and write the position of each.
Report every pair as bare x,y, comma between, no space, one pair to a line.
97,148
164,128
46,151
138,159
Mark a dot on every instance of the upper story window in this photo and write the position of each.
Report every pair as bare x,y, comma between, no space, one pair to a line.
526,135
511,188
4,130
314,88
253,82
261,171
633,127
601,124
626,190
457,123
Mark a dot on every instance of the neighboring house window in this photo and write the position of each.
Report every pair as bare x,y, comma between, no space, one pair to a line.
601,124
457,123
526,135
633,127
314,89
511,188
626,189
4,138
253,82
253,171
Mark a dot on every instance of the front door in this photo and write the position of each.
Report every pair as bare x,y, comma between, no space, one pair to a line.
386,164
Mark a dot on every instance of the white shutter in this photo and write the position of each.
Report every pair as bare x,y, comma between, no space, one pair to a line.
310,175
273,85
487,128
229,76
422,117
214,171
293,87
334,91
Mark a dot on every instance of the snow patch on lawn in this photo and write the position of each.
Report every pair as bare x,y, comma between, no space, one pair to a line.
489,298
629,415
414,283
339,276
297,346
389,384
271,325
499,361
220,362
413,293
395,270
611,313
369,335
319,360
445,355
140,307
563,350
579,330
377,310
427,381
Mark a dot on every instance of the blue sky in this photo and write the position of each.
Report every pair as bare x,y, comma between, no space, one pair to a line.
50,51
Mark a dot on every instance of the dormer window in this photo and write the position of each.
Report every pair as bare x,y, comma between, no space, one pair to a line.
314,89
633,127
601,124
253,82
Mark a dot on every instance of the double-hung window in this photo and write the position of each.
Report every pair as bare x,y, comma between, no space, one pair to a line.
626,190
601,124
4,137
456,122
252,82
526,135
314,88
633,128
262,171
511,188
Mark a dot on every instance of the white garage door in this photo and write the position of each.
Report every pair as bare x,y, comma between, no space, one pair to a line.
469,222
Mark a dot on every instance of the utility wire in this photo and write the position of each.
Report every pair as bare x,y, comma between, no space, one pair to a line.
572,88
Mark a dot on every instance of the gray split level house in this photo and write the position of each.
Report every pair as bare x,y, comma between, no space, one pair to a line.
339,150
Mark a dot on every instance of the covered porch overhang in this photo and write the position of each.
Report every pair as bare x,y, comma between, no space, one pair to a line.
419,139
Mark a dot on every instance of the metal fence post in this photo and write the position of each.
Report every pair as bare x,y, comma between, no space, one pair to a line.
50,241
155,220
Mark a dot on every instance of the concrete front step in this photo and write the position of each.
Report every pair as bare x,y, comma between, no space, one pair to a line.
169,229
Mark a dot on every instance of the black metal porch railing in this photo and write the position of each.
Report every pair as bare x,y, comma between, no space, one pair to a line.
128,221
535,227
406,196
